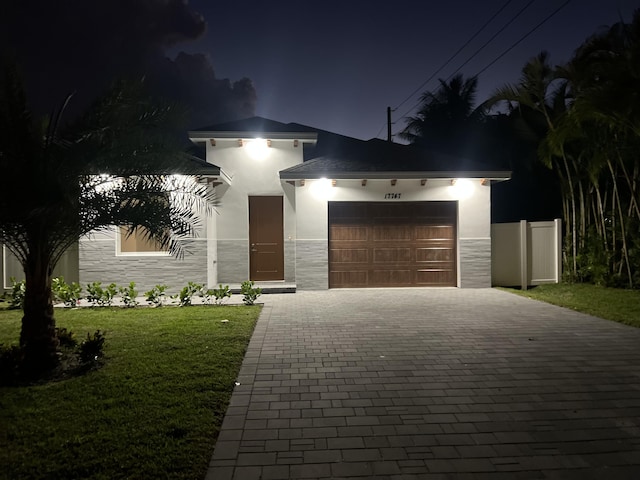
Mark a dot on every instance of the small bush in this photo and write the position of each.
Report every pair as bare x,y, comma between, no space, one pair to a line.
10,360
221,293
156,296
249,292
129,295
97,295
91,349
16,295
69,294
66,338
185,296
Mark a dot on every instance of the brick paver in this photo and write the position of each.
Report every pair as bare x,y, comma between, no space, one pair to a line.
432,383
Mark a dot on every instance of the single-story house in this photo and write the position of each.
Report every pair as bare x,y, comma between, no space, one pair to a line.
305,207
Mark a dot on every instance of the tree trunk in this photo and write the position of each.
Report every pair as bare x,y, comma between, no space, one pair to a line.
38,335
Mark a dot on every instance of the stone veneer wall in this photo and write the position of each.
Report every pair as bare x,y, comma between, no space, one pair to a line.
233,261
98,262
475,262
289,262
312,264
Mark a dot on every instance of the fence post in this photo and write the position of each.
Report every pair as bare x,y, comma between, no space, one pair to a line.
524,256
558,231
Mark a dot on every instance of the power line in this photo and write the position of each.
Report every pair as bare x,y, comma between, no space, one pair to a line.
483,46
549,17
520,40
450,59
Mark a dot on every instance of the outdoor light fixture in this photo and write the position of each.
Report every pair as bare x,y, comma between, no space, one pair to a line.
213,142
461,188
258,148
393,182
423,182
364,183
322,188
334,182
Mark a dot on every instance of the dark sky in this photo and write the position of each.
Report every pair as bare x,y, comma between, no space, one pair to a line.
334,65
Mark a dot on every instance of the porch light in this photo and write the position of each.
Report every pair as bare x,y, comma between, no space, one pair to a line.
461,188
258,148
322,189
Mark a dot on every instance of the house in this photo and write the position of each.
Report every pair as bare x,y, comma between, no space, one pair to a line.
314,209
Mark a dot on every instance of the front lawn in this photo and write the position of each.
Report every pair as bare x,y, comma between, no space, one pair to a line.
611,303
152,411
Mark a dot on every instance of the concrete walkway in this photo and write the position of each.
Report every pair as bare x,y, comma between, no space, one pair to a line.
432,384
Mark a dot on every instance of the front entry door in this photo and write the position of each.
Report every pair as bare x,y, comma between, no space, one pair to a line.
266,249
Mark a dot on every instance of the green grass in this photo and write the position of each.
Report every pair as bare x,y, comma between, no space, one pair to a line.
611,303
152,411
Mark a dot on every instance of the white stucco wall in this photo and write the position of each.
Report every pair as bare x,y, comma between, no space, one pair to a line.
474,211
250,175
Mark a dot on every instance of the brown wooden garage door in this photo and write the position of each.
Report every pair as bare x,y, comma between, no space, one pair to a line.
403,244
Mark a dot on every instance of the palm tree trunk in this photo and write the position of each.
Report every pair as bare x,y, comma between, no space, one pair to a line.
633,203
574,232
38,335
601,216
623,233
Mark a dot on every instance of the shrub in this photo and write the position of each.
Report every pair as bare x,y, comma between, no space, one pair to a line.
129,295
186,294
10,360
156,296
249,292
66,338
221,293
101,296
91,349
16,295
69,294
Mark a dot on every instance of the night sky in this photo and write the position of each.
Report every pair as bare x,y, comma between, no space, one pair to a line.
334,65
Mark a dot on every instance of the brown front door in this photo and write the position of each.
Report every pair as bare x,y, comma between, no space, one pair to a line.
266,249
405,244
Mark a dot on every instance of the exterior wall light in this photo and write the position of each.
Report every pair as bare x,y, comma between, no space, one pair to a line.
462,188
322,189
258,148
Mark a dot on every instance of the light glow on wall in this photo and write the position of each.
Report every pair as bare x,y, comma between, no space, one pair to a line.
258,148
462,188
322,189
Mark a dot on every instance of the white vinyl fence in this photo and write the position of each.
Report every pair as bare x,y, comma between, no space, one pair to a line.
525,254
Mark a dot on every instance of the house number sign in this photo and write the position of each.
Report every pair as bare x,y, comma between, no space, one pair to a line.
392,196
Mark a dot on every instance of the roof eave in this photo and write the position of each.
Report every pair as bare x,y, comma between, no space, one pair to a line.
306,137
489,175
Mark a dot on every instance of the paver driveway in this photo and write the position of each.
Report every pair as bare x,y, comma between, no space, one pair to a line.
432,383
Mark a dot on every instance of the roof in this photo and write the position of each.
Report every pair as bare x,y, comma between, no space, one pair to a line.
338,156
198,165
380,159
255,127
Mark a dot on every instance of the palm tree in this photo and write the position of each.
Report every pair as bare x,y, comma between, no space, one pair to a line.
537,103
114,166
447,118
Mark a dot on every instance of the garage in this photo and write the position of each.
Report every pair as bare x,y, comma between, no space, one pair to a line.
392,244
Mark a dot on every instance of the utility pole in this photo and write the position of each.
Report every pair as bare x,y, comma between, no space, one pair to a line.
388,124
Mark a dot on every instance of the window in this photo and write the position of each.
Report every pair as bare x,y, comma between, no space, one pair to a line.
137,243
